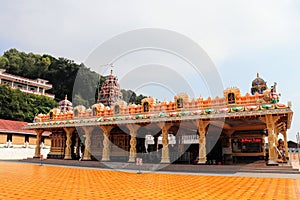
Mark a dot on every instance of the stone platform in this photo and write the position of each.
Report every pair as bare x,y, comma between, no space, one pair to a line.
255,167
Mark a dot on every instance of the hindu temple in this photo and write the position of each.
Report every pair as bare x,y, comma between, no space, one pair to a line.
225,129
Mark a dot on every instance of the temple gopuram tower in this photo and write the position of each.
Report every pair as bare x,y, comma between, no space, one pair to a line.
110,91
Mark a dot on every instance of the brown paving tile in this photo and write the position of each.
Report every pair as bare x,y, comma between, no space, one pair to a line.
26,181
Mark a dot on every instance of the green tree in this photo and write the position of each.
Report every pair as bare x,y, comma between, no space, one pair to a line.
3,62
17,105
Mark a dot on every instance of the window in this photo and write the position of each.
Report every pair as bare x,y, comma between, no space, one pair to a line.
8,83
32,88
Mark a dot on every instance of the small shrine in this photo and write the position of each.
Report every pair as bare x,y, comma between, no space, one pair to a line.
65,105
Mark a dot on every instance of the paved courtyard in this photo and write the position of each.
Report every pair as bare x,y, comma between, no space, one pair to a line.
32,181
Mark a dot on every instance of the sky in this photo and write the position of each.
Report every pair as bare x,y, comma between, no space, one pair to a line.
241,38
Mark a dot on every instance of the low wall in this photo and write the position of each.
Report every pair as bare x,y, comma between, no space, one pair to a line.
20,153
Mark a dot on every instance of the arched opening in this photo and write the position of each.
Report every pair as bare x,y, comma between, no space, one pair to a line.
96,147
51,115
94,111
146,106
231,98
117,109
179,103
120,139
76,113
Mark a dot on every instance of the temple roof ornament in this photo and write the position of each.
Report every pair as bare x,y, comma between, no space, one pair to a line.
258,85
65,105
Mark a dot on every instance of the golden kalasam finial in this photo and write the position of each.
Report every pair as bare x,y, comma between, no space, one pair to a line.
66,97
257,75
111,72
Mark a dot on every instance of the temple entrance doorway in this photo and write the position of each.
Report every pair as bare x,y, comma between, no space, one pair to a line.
215,155
120,144
75,146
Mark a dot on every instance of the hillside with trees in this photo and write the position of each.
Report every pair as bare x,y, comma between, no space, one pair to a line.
61,73
17,105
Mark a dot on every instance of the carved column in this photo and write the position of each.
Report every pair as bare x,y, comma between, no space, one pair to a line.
270,123
180,142
39,133
87,150
165,157
133,131
69,132
77,146
286,153
263,142
201,125
106,153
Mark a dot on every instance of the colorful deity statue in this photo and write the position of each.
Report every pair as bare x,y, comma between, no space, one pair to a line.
274,95
270,95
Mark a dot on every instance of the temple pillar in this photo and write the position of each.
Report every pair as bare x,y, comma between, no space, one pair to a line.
286,152
264,145
201,127
133,132
77,146
106,152
180,142
69,132
87,150
165,157
39,133
270,123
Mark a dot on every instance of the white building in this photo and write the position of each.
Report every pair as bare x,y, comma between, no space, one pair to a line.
37,86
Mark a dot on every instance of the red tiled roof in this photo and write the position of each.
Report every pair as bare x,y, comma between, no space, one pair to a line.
10,126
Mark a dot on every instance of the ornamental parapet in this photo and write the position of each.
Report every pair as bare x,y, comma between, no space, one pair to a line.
232,103
158,117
